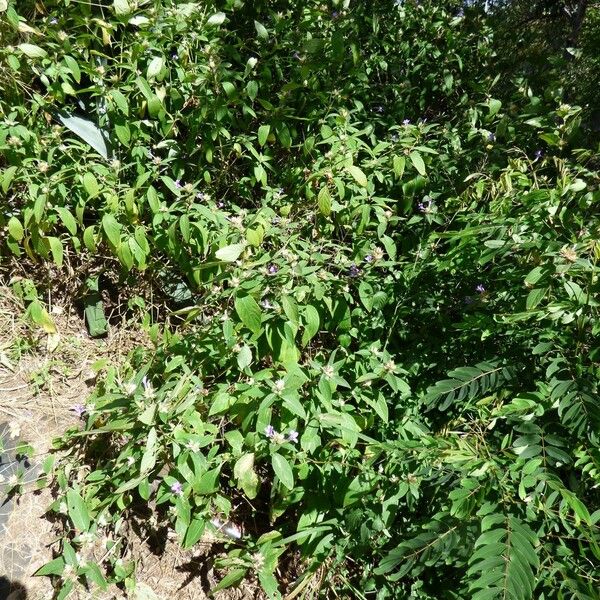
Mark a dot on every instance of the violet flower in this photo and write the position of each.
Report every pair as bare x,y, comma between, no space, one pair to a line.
177,488
353,271
270,431
292,436
78,409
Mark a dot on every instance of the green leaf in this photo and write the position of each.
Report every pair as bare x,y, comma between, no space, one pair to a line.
122,8
73,67
230,253
54,567
283,470
39,315
216,19
263,134
15,229
67,219
255,236
121,101
233,577
494,106
399,166
88,132
324,201
249,312
78,512
88,238
261,30
6,177
358,175
90,184
56,248
534,297
244,357
417,162
247,478
112,229
311,323
32,51
149,456
155,67
194,532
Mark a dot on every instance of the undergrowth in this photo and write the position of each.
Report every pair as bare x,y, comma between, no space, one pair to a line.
380,266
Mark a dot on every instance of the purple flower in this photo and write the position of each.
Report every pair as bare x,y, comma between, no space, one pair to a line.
369,258
292,436
426,205
272,269
538,154
269,431
491,137
406,122
296,55
200,196
177,488
335,14
379,109
178,184
353,271
479,288
220,204
53,21
174,56
78,409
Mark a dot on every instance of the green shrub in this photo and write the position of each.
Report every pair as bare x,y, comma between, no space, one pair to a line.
381,355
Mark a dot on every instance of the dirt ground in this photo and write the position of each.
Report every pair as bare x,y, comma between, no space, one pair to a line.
41,378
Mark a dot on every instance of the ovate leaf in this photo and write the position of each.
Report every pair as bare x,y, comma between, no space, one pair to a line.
324,201
261,30
88,131
246,476
216,19
32,51
230,253
122,7
15,229
112,229
78,512
417,162
263,134
358,175
283,470
249,312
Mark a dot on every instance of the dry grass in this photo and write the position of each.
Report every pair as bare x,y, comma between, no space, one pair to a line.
38,387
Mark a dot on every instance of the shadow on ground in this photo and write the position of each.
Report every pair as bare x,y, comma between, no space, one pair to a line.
11,590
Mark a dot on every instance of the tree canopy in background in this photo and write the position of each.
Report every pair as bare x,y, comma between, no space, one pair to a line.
363,240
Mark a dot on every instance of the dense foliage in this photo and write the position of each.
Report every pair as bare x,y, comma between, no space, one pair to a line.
379,244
